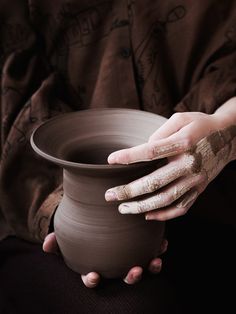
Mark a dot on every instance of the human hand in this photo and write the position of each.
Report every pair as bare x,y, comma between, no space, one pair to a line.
197,147
92,279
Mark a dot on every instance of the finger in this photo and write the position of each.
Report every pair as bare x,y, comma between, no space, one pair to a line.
149,151
91,280
176,210
134,275
171,126
149,183
164,198
181,141
155,266
50,243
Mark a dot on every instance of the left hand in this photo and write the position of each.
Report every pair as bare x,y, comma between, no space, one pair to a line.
197,147
92,279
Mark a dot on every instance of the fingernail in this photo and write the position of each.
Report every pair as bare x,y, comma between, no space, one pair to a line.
110,196
131,279
151,217
156,268
124,208
111,159
126,281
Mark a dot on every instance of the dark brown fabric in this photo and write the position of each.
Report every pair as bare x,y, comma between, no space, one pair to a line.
60,56
51,288
198,277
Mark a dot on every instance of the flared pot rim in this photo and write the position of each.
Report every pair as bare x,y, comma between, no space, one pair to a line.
66,164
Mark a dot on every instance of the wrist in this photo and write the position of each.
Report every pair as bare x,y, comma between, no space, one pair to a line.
225,116
223,120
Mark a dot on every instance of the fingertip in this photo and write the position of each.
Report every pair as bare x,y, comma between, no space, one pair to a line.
155,266
91,280
110,195
50,243
111,158
45,246
134,275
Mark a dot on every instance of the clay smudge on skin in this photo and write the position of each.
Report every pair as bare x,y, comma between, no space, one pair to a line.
168,150
220,139
123,192
232,131
120,193
197,161
216,141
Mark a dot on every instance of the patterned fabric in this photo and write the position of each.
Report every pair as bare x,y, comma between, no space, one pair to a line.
61,56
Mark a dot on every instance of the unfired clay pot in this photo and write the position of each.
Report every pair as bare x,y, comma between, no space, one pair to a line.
91,233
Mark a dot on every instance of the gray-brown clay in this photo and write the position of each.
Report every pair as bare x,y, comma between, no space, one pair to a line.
91,233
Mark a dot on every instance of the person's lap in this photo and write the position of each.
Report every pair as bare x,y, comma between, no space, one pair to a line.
35,282
197,271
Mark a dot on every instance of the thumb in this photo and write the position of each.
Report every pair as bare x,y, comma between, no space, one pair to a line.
50,244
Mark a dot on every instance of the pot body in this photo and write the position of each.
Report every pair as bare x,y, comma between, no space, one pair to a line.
93,235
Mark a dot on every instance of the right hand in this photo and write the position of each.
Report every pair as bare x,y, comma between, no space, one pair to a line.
91,280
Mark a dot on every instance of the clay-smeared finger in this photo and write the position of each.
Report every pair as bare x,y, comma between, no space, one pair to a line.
149,183
176,210
150,151
165,198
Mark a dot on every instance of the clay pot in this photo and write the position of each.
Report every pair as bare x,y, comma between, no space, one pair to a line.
91,233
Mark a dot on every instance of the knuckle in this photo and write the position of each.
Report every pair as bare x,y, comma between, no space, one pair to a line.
151,185
169,198
126,156
187,142
193,162
202,178
178,116
161,217
127,191
201,187
124,192
141,207
151,151
148,205
162,199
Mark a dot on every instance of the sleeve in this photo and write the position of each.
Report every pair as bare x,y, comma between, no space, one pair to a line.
30,188
216,87
209,59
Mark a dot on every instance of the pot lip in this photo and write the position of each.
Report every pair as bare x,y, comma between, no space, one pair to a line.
76,165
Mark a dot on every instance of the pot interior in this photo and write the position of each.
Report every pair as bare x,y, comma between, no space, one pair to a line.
87,137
